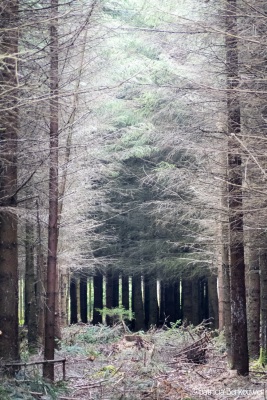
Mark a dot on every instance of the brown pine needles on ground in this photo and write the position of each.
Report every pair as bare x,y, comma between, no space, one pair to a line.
105,363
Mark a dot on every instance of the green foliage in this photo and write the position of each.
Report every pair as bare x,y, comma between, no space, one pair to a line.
163,165
149,103
74,349
144,49
4,393
106,371
175,325
263,357
100,334
118,314
24,386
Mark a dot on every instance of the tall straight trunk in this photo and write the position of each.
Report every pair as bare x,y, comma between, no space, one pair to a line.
41,281
203,299
239,345
109,294
9,123
64,296
146,299
162,315
263,306
30,287
98,298
115,297
138,307
220,278
187,300
49,350
196,318
213,301
253,303
177,301
169,302
223,269
125,291
90,299
73,301
226,300
83,298
153,310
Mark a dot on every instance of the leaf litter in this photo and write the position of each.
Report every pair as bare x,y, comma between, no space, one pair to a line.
110,363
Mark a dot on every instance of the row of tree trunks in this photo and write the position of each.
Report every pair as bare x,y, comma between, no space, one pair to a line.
152,302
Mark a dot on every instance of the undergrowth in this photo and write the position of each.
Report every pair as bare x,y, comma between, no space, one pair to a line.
111,364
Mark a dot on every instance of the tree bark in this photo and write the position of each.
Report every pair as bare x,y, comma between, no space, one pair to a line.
239,346
138,307
263,306
253,304
187,300
83,298
115,288
98,298
177,301
196,316
41,281
30,286
9,12
213,301
162,315
49,350
151,302
73,301
64,296
125,291
153,317
109,294
170,306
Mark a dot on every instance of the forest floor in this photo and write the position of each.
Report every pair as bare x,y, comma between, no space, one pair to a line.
163,364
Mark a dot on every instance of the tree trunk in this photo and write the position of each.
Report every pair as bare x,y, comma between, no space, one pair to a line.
213,301
177,301
49,350
64,296
73,301
169,302
9,122
225,268
125,291
239,346
109,294
146,299
30,286
253,304
115,288
83,298
263,306
226,299
98,298
162,315
187,300
138,307
196,317
203,299
153,316
41,282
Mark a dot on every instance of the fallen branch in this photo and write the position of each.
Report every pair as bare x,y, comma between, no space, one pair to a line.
43,362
